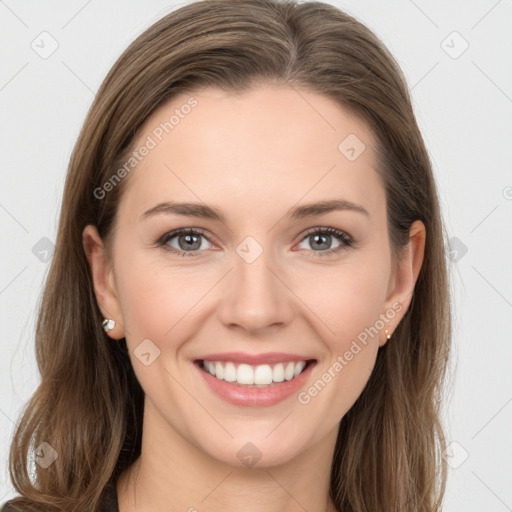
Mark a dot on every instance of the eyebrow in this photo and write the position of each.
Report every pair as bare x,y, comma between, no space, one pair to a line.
208,212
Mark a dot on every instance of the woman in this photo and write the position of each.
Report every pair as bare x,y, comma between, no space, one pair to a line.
248,305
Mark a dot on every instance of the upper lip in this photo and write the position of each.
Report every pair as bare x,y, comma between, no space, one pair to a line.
255,359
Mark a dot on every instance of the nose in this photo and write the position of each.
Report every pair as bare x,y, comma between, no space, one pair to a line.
255,295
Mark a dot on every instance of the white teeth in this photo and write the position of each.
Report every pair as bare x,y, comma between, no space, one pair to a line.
229,372
288,371
219,370
262,375
298,368
244,374
278,373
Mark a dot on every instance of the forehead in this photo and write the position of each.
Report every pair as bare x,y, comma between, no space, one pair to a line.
269,146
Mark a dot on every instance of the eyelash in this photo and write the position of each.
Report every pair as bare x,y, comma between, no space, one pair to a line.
347,240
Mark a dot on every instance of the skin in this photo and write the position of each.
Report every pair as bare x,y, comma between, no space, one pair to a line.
253,156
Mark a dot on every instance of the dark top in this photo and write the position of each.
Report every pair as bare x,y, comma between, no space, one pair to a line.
108,501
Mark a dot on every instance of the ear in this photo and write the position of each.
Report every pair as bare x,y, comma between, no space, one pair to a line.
403,278
103,279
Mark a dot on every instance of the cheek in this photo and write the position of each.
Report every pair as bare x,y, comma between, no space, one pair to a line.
347,299
155,300
349,315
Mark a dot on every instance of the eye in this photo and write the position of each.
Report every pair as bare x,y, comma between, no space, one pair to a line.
189,241
321,239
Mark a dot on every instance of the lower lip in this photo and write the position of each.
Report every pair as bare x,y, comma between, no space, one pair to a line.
255,397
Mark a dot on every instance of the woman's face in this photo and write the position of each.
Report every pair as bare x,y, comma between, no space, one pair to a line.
254,277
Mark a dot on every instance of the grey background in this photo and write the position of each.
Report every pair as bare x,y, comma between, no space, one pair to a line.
463,102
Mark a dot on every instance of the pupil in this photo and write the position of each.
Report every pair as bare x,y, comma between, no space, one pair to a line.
325,244
190,240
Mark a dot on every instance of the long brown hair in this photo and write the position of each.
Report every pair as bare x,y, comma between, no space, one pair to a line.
88,406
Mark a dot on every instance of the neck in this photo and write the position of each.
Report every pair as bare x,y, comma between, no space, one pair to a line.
171,471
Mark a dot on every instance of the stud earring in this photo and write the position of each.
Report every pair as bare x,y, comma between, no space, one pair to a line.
108,324
388,336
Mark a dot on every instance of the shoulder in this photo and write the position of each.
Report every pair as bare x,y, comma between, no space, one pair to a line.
108,502
12,507
8,507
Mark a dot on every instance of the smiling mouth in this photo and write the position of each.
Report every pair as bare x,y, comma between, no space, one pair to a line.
254,376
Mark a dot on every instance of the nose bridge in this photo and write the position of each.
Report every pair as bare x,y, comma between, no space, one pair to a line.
255,297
